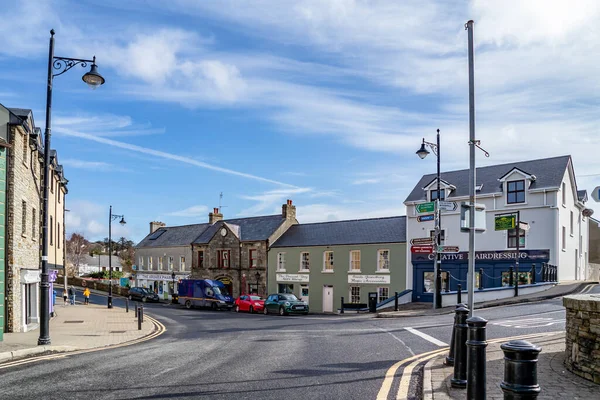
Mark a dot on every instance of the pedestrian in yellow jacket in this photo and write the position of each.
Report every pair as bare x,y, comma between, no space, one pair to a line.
86,296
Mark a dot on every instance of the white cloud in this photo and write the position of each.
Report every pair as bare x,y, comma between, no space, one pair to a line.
91,220
105,125
366,181
320,212
193,211
92,165
270,200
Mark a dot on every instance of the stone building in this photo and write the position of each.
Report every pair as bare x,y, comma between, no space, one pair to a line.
24,201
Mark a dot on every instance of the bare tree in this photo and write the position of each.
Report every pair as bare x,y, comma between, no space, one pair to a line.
77,248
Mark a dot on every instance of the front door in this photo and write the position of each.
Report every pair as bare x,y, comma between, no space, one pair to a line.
304,293
327,298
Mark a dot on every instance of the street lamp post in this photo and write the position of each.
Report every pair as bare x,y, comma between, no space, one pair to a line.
111,218
93,79
422,153
257,279
173,294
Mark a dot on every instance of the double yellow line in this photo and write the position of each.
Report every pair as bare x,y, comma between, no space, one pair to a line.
160,329
415,360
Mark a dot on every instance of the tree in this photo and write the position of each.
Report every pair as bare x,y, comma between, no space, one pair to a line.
77,248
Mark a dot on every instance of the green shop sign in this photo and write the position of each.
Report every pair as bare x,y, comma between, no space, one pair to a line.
505,222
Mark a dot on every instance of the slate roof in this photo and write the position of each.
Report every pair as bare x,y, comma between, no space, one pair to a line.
358,231
549,173
253,228
174,236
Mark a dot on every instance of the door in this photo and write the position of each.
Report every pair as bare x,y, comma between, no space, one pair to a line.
327,298
304,293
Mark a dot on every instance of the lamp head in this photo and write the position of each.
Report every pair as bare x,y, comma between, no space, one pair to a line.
422,152
122,221
173,275
257,275
93,77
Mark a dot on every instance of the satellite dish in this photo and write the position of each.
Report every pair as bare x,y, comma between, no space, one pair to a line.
588,212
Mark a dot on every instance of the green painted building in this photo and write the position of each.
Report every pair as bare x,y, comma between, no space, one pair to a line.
4,126
323,262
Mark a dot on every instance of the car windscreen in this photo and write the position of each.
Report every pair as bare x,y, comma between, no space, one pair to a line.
222,291
289,297
146,291
255,298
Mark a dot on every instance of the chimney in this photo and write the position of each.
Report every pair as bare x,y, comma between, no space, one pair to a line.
288,211
214,216
154,225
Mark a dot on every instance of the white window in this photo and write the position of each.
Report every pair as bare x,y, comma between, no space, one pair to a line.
182,263
564,238
141,261
564,194
571,224
149,263
328,261
170,263
382,294
355,261
383,260
281,262
160,263
305,261
354,294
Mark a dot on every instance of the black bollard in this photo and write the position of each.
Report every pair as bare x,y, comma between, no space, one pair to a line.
138,312
342,307
142,312
555,273
135,310
450,356
480,278
476,345
511,281
126,305
520,370
447,283
395,301
459,294
459,379
544,273
532,274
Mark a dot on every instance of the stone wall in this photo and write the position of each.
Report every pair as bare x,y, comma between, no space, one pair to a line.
103,287
583,336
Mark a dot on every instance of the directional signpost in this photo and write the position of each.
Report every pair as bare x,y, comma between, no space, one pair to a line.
448,249
426,241
428,207
596,194
422,249
425,218
447,205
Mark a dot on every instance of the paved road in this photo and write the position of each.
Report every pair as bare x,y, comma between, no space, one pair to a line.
224,355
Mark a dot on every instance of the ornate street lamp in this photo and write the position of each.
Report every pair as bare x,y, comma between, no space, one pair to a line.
93,79
111,217
257,280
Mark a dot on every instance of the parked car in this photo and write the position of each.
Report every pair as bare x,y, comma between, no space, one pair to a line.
250,303
284,304
204,293
143,294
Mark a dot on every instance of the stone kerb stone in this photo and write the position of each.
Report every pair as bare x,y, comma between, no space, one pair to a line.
582,339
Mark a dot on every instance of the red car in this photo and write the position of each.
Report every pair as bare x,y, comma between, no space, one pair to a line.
250,303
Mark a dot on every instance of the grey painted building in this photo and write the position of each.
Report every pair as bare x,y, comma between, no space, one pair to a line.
323,262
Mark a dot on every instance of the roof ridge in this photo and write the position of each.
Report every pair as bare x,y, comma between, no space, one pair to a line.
183,226
349,220
256,216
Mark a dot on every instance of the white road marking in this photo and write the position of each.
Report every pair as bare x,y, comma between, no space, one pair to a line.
528,322
426,337
398,339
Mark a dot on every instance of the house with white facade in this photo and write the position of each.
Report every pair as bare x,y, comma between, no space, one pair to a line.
546,195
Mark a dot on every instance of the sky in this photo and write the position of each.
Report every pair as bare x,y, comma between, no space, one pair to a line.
321,102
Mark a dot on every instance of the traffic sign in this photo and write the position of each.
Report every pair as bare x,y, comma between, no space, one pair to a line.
425,207
421,249
448,249
425,218
505,222
524,226
426,241
447,205
596,194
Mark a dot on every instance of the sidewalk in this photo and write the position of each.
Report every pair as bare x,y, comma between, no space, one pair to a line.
554,379
425,309
78,327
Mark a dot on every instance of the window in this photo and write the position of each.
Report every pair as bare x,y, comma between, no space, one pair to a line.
25,148
23,217
33,228
160,263
515,192
512,238
170,263
305,261
253,261
58,235
354,294
382,294
328,261
51,184
442,235
51,230
149,263
201,259
355,261
428,282
223,258
141,261
564,238
383,260
571,224
182,263
433,194
564,194
280,261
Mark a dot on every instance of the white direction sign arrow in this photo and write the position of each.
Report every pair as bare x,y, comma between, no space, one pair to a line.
447,205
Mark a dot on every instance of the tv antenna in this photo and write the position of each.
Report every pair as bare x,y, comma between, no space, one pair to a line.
220,201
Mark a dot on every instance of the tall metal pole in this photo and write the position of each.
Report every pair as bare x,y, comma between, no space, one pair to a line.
109,259
438,234
44,337
518,230
472,177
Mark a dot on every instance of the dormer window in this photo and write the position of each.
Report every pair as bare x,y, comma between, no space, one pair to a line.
515,192
433,194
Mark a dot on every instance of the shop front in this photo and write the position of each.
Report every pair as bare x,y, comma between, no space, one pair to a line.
164,285
297,284
30,291
495,266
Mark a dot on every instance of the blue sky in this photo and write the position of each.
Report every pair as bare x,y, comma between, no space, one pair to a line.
322,102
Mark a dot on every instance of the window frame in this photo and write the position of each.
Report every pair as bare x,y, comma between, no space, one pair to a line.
140,261
160,263
515,191
571,224
434,191
201,259
352,261
511,235
223,257
150,266
379,296
564,238
252,258
564,194
304,262
24,218
379,253
354,297
181,263
25,150
325,261
281,261
170,262
33,222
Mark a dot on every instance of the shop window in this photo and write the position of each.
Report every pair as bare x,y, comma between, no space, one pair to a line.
428,286
383,293
305,261
383,260
253,261
355,294
223,258
355,261
286,288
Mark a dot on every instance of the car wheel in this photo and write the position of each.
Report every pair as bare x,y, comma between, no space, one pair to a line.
251,310
214,306
130,297
237,308
265,311
188,304
281,311
304,313
144,299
